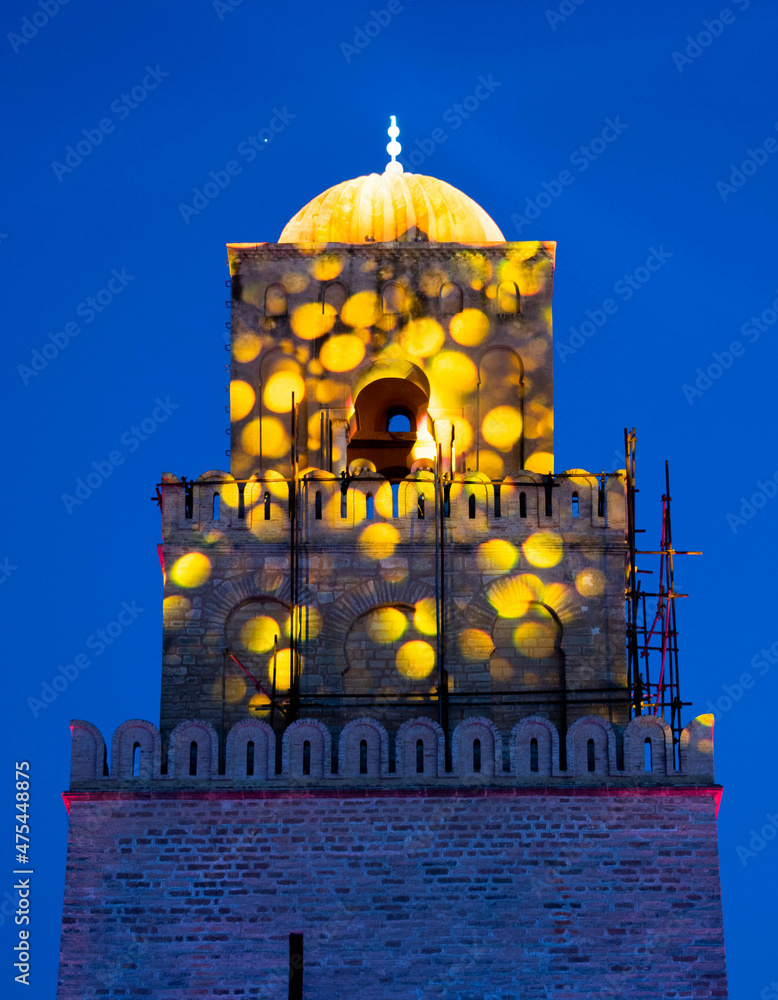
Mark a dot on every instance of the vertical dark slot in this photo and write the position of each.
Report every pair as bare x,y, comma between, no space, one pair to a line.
317,505
295,967
575,505
447,500
522,504
420,756
476,756
363,756
549,499
307,757
590,755
267,506
471,506
188,500
648,763
193,757
420,508
497,502
533,755
250,758
369,507
135,760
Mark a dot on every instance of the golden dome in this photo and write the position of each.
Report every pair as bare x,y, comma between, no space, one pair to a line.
392,206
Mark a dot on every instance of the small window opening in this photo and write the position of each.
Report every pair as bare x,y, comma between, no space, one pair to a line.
363,756
647,755
344,504
135,760
575,505
250,757
497,502
533,755
216,507
395,499
398,422
193,757
522,504
471,505
601,499
420,507
189,500
241,501
307,757
317,505
450,298
476,756
549,499
447,500
266,505
420,756
393,298
369,507
590,755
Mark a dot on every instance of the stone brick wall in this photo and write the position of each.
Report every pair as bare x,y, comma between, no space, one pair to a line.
538,894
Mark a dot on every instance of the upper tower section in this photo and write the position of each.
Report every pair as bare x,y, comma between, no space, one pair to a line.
397,324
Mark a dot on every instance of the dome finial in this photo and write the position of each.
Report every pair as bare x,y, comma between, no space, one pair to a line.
394,149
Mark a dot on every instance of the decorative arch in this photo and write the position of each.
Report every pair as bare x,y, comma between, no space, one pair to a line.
296,735
377,739
504,348
264,740
203,735
431,736
546,735
600,731
462,757
146,736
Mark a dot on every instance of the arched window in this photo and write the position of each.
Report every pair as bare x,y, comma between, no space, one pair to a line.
508,298
135,760
393,299
575,505
317,505
333,294
266,505
275,300
399,420
497,501
533,755
420,507
522,504
395,499
476,756
590,755
193,757
369,506
343,504
447,500
450,298
420,756
648,763
216,507
250,757
307,757
471,505
363,756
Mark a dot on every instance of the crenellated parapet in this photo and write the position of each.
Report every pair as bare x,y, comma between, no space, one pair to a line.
329,506
364,753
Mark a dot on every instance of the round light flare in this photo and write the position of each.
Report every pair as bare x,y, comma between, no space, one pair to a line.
246,347
191,570
326,267
510,597
378,541
540,461
386,625
496,556
590,582
312,319
543,549
342,353
259,634
234,689
475,644
557,596
500,669
242,399
425,616
469,327
361,310
295,281
501,427
230,494
423,337
491,464
175,610
452,373
277,394
534,639
275,440
283,669
415,659
259,705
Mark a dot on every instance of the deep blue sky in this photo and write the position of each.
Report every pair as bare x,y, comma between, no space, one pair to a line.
654,187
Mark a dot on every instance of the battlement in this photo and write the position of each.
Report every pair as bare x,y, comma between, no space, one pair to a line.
572,502
529,754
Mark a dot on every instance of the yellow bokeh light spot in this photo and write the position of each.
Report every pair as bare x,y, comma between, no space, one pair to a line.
246,347
423,337
378,541
590,582
259,634
294,281
175,610
241,399
327,391
326,267
510,597
275,440
191,570
310,320
501,427
491,464
342,353
234,689
424,617
540,461
496,556
415,659
475,644
386,624
544,549
455,370
277,394
534,639
283,669
259,705
500,669
361,310
431,279
469,327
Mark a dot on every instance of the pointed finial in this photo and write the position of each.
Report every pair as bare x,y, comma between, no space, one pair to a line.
394,149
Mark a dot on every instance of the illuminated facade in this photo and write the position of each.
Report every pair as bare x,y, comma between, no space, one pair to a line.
396,712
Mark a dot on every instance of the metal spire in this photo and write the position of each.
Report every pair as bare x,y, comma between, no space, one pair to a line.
394,149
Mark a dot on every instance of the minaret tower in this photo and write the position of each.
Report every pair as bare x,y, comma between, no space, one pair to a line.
400,747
